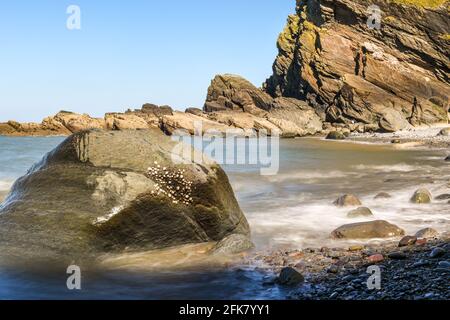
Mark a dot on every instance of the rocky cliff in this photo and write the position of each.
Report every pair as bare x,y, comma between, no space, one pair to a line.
353,65
387,78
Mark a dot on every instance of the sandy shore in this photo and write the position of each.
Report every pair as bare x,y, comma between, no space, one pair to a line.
412,138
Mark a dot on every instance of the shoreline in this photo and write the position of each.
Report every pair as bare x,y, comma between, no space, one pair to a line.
342,273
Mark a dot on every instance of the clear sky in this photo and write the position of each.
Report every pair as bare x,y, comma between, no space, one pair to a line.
129,52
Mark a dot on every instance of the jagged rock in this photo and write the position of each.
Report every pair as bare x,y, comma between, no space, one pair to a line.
189,123
158,111
290,277
335,135
118,121
195,111
347,200
114,191
389,79
77,122
360,212
367,230
231,93
421,196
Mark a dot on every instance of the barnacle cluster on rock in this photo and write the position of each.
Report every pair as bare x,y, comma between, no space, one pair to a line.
171,183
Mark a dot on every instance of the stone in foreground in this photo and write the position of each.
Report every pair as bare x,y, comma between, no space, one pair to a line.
367,230
111,192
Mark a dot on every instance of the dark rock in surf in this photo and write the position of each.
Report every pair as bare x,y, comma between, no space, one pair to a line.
360,212
347,200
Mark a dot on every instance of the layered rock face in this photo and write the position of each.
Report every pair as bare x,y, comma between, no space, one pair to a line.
117,191
382,79
234,101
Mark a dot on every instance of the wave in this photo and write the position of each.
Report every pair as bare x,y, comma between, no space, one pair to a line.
401,167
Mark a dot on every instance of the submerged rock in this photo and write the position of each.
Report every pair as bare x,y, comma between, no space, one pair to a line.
443,197
110,192
367,230
383,195
421,196
360,212
347,200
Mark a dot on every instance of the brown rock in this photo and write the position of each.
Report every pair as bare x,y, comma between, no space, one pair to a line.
347,200
367,230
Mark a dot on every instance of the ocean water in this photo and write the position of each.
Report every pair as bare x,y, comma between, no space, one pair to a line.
292,209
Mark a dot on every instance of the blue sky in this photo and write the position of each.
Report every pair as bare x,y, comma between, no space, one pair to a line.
129,52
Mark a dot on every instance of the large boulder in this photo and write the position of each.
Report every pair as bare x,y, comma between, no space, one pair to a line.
367,230
111,192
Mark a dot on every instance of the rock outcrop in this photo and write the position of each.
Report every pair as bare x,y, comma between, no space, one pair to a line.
384,79
117,191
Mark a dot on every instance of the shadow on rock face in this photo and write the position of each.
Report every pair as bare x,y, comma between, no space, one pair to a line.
104,192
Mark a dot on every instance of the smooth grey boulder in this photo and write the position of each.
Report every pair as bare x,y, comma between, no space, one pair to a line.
360,212
367,230
118,191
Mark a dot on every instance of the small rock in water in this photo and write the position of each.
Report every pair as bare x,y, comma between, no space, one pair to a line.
290,277
396,141
376,258
360,212
383,195
397,256
421,196
443,197
347,200
444,132
427,233
407,241
437,253
447,159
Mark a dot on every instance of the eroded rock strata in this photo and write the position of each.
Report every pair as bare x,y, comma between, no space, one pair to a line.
333,73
